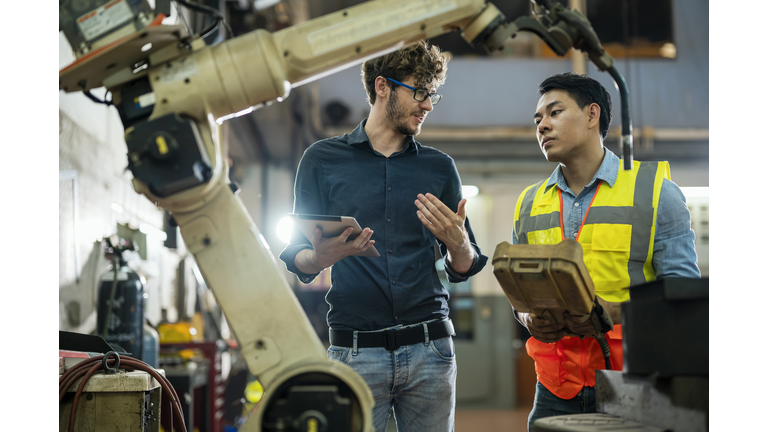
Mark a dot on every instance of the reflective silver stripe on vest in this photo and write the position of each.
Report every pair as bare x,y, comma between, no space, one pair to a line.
639,216
528,223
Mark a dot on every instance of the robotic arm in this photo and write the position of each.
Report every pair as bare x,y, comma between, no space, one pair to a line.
172,93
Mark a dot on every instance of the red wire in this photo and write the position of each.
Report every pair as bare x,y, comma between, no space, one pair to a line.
562,227
86,368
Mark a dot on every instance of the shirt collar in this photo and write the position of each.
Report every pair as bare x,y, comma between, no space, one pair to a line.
359,138
608,172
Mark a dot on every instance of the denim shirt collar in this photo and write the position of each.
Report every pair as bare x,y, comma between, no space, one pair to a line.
608,172
359,138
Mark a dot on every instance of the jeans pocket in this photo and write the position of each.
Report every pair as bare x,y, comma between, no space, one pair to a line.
338,354
443,348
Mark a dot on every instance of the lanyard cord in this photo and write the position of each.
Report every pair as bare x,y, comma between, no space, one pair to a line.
562,227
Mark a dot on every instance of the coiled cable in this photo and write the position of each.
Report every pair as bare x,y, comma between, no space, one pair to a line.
86,368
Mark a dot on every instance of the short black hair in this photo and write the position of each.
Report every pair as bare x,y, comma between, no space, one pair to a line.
584,90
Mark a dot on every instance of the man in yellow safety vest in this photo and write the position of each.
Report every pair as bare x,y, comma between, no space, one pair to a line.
633,225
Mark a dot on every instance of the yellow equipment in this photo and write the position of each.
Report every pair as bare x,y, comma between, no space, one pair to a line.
172,93
548,280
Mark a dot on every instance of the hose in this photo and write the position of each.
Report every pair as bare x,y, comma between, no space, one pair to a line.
86,368
600,338
626,117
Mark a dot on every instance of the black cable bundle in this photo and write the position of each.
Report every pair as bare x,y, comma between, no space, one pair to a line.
218,19
111,362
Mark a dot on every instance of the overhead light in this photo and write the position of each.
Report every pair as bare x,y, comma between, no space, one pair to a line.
668,50
284,229
469,191
117,207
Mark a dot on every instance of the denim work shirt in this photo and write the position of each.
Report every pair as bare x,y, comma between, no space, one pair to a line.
345,176
674,254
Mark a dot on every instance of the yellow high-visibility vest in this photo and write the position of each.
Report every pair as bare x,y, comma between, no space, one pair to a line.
617,239
617,233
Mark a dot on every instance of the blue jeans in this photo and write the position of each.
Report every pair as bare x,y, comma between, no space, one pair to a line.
418,380
546,404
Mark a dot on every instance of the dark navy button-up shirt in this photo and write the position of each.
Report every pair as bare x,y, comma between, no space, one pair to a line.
345,176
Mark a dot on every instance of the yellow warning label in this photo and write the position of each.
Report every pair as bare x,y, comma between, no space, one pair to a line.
162,146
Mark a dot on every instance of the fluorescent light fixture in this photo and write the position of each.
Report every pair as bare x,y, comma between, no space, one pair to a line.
469,191
284,229
152,231
117,207
695,192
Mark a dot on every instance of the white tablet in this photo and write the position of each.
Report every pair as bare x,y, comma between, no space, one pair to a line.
331,226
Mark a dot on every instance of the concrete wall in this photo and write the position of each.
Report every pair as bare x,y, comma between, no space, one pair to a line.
95,195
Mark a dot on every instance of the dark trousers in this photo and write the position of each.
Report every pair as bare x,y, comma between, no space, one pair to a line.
546,404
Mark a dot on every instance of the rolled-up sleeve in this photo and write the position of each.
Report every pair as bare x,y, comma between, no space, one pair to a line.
478,262
452,195
306,201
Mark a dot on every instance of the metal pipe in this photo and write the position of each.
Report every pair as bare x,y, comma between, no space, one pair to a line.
626,119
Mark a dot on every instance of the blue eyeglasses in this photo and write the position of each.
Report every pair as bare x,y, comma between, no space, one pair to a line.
420,94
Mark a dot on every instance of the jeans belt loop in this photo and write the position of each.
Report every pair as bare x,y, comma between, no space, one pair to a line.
354,343
426,334
392,340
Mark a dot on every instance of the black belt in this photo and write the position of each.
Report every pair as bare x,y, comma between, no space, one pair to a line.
394,338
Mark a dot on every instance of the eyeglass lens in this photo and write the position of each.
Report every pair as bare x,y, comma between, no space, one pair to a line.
421,95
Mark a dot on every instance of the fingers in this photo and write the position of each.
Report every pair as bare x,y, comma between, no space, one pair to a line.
433,209
328,251
358,244
580,324
347,232
461,212
315,240
363,239
544,330
576,319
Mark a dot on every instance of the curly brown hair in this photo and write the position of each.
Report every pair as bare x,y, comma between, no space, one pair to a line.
421,59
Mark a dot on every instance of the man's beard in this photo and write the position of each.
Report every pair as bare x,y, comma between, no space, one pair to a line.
398,118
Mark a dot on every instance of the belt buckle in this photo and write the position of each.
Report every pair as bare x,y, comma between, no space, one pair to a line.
392,340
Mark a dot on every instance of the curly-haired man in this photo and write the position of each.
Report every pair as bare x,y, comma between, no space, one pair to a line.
388,315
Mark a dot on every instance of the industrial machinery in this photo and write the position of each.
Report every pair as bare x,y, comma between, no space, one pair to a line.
120,311
549,280
172,93
664,385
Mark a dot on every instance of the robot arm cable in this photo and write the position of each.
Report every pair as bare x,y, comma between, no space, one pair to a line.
211,12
